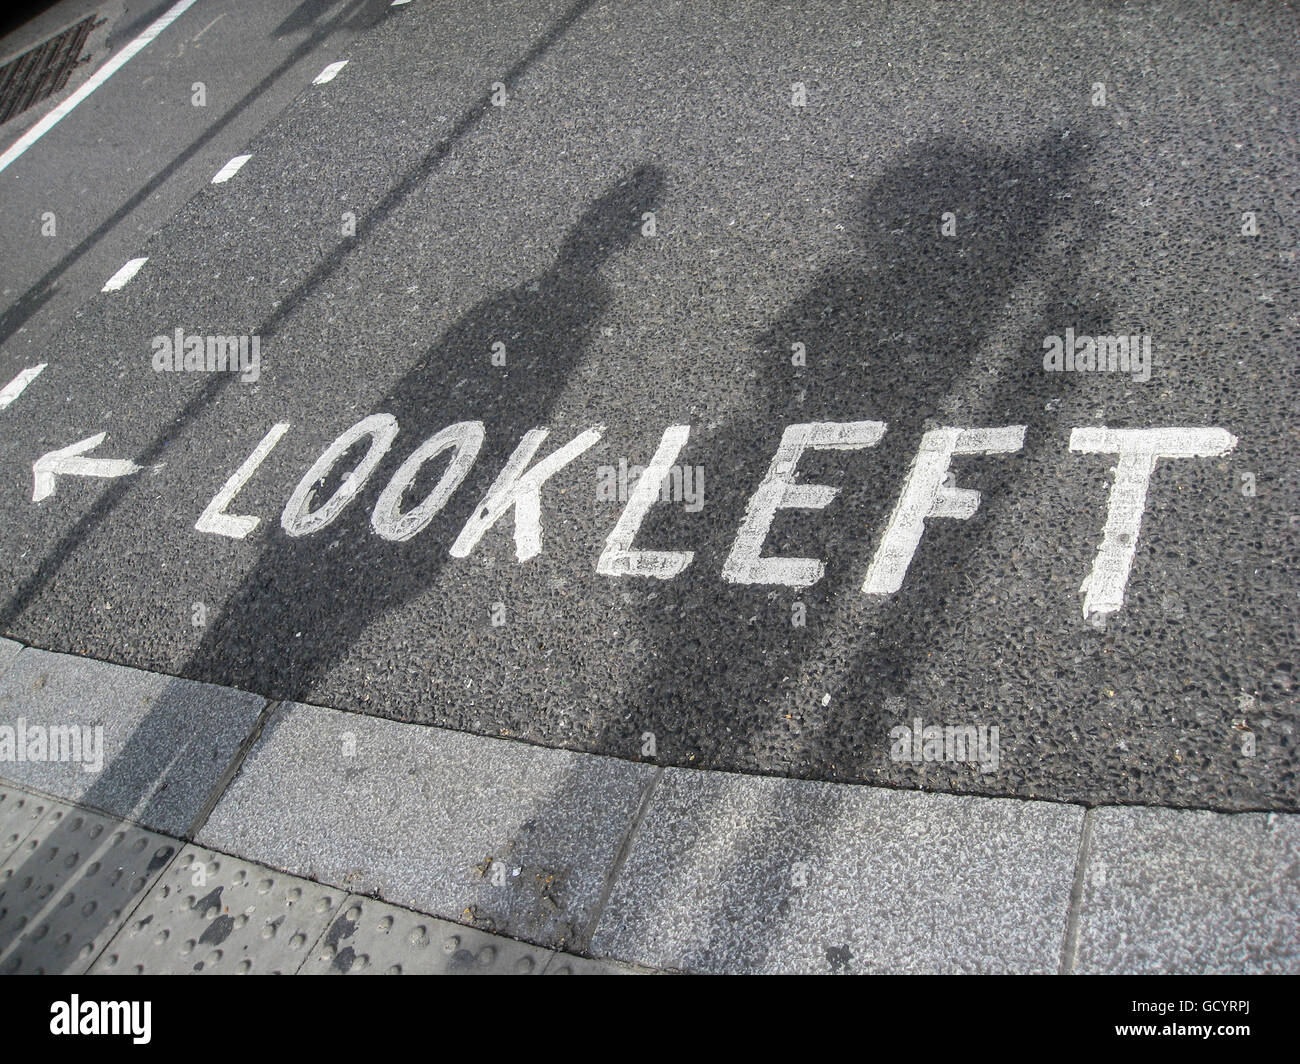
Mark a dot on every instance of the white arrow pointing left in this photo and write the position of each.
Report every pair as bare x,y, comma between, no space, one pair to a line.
68,462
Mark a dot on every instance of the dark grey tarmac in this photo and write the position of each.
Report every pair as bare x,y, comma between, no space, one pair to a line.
498,161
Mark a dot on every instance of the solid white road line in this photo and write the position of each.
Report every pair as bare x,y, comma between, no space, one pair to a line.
14,388
230,169
95,81
119,279
330,72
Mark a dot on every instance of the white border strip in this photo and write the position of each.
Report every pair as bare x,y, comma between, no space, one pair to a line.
95,81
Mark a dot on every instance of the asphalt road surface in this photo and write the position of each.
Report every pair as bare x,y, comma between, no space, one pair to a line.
877,222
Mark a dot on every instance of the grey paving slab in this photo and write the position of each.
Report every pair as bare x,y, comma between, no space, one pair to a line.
164,742
744,874
371,937
567,964
1170,890
217,915
8,651
507,837
20,812
67,890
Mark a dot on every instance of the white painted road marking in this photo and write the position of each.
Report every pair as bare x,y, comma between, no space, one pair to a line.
522,491
778,491
230,169
1138,451
14,388
618,558
467,438
330,72
119,279
93,82
67,461
214,519
925,494
297,519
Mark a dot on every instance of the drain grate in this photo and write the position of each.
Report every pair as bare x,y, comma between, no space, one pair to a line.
42,71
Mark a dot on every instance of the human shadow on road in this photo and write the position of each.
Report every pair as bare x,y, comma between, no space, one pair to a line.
897,332
902,330
546,324
548,321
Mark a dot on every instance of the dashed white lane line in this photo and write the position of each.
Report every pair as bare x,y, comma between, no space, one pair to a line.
230,169
93,82
14,388
330,72
119,279
399,3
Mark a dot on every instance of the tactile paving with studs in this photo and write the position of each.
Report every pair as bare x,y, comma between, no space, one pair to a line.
214,914
65,890
19,814
374,938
